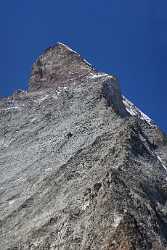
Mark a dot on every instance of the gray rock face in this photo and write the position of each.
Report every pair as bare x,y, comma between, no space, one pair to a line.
81,167
58,66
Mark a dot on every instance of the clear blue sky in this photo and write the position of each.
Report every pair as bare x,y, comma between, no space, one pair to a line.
125,37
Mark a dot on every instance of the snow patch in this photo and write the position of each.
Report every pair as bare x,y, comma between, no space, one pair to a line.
10,108
33,120
58,91
11,202
145,117
117,220
87,63
98,75
134,111
42,99
85,205
67,47
159,158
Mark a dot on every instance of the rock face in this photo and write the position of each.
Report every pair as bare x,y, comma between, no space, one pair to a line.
58,66
81,167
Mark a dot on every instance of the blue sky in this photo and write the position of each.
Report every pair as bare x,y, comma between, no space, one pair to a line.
125,37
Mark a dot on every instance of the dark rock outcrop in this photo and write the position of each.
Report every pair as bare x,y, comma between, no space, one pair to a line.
81,167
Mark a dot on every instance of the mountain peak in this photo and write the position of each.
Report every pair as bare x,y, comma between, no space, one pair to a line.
65,47
81,166
58,66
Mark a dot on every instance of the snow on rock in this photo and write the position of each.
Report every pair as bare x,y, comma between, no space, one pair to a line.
117,220
11,202
57,92
89,64
98,75
134,111
67,47
73,51
58,65
42,99
10,108
161,161
85,205
33,120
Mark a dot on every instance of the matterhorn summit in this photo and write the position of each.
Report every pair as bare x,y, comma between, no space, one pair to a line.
81,166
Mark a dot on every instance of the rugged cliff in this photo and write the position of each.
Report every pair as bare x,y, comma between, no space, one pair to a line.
81,167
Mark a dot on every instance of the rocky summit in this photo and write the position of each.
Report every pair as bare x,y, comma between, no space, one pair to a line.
81,167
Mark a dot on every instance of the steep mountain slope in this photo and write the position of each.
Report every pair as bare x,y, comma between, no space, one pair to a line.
81,167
